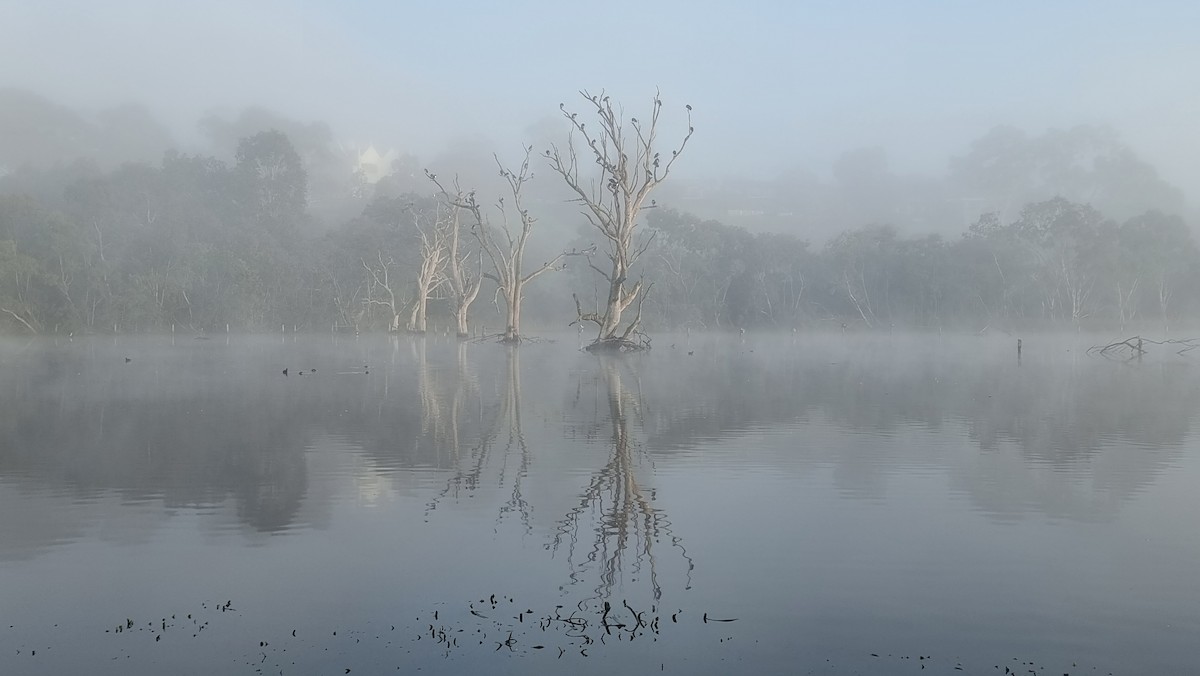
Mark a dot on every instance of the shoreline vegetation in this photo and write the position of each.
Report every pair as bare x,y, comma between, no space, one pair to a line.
574,234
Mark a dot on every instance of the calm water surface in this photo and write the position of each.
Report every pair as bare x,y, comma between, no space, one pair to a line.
855,504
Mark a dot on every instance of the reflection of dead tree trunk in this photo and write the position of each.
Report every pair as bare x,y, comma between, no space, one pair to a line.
624,518
469,472
630,169
435,425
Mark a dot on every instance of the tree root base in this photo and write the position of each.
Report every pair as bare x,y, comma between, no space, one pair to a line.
618,346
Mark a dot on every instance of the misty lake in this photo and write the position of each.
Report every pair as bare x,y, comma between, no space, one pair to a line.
826,504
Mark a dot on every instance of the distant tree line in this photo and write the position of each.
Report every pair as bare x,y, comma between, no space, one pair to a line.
1058,263
200,243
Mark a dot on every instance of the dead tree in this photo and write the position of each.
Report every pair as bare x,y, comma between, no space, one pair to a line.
381,289
433,249
630,168
505,245
462,280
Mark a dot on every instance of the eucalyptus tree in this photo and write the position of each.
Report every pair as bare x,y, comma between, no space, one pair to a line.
630,165
505,244
462,279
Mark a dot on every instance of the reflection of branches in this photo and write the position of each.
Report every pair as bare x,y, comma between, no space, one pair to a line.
620,507
469,472
511,411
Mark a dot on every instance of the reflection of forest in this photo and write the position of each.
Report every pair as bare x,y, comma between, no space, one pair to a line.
87,424
1113,426
200,425
205,425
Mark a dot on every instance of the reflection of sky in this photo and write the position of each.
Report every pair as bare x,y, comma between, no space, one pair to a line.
879,507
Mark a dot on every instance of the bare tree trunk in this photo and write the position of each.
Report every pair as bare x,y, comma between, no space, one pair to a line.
512,331
508,260
630,169
430,273
1164,297
19,318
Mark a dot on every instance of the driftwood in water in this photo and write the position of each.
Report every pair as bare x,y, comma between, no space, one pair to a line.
1135,347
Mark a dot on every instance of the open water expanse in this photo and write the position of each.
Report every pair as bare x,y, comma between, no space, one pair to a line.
822,504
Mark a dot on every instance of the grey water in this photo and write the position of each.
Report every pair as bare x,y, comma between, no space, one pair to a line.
825,504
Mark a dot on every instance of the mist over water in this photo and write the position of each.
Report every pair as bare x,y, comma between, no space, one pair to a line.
538,338
836,501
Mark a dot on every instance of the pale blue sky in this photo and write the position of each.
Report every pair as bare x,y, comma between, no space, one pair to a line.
774,84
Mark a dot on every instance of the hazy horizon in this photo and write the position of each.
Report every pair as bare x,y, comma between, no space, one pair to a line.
776,88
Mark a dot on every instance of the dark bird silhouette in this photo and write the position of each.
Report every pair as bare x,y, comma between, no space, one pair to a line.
691,352
285,372
127,360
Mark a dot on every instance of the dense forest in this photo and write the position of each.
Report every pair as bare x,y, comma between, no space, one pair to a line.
282,231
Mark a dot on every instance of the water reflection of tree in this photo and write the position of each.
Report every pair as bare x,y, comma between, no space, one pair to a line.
500,438
444,397
615,508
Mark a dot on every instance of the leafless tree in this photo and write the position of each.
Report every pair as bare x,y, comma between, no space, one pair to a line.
381,289
462,278
430,272
630,168
505,245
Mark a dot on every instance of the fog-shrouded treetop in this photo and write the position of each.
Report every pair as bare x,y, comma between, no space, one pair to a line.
783,85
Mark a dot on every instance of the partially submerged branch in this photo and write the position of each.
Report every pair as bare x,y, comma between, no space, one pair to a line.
1135,347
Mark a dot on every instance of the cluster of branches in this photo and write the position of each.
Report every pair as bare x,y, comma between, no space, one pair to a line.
629,168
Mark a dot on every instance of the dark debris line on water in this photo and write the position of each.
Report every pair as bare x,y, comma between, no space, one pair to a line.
498,624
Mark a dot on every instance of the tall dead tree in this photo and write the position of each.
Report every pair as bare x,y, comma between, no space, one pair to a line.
505,245
463,280
433,249
630,168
